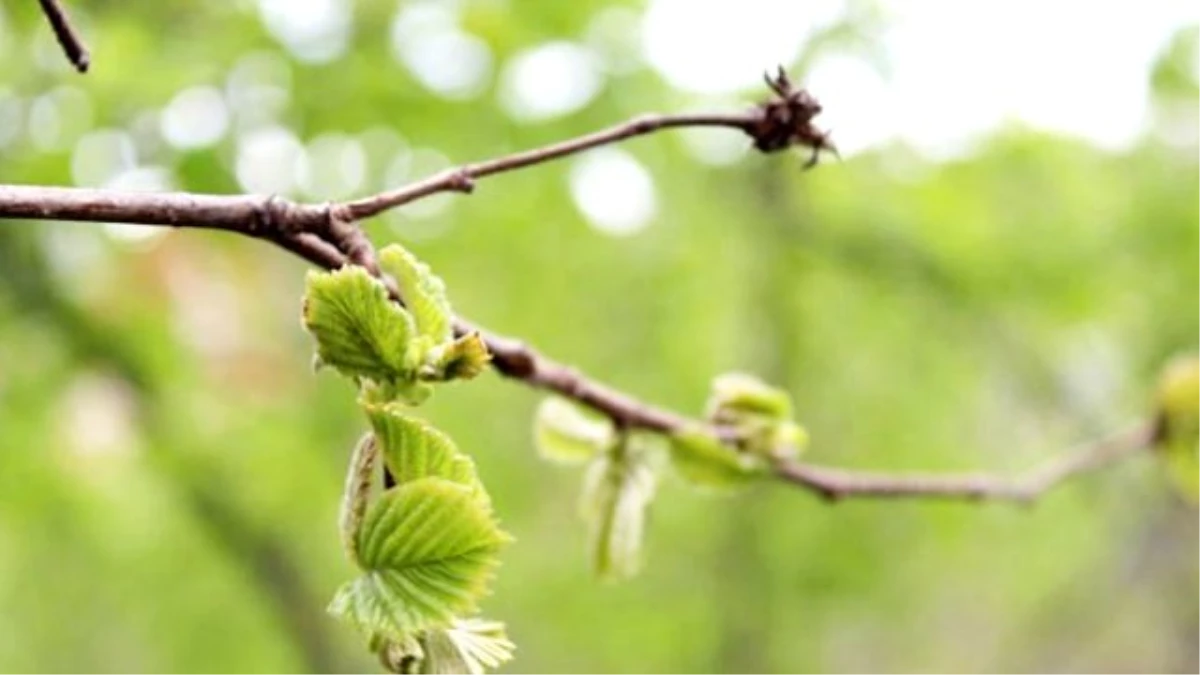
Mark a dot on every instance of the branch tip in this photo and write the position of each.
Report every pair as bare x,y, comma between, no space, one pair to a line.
786,120
70,41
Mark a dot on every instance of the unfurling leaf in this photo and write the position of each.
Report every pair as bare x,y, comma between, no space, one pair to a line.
703,460
463,359
423,292
429,548
413,449
403,655
358,330
394,351
357,490
761,415
618,488
1178,433
468,646
563,433
736,396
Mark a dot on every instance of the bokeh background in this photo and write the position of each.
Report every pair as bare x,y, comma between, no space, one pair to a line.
996,271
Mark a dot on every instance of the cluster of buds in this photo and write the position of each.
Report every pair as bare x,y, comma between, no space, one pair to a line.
786,120
759,416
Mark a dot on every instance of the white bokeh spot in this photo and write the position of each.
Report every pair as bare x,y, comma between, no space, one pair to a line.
613,191
269,161
454,64
1052,66
549,81
101,155
722,46
258,89
316,31
11,113
615,34
196,118
336,167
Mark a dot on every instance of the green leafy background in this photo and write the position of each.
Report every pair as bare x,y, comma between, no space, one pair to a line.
170,468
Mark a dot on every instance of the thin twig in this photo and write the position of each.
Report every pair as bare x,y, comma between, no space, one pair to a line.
273,217
72,45
836,484
462,179
780,123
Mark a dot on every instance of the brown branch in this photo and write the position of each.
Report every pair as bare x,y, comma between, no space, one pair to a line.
283,221
462,179
778,124
514,359
72,45
328,236
246,214
836,484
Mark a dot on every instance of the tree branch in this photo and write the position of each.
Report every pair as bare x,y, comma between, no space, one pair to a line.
72,46
778,124
462,179
836,484
327,235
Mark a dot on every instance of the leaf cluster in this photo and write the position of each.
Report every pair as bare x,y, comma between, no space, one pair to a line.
395,352
428,545
749,425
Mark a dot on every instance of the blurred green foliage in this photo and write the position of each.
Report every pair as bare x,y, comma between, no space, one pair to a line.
170,468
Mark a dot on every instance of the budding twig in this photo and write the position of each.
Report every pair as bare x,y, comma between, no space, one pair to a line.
328,236
462,179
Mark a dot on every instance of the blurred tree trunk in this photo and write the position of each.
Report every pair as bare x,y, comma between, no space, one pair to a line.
772,349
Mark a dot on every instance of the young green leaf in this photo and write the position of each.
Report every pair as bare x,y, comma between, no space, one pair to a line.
413,449
429,548
759,413
562,433
468,646
358,330
463,359
1178,434
423,292
703,460
736,396
618,488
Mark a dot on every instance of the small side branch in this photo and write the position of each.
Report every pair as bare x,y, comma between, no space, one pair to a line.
462,179
72,45
835,484
780,123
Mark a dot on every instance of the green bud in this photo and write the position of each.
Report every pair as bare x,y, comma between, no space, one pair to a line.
1178,434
